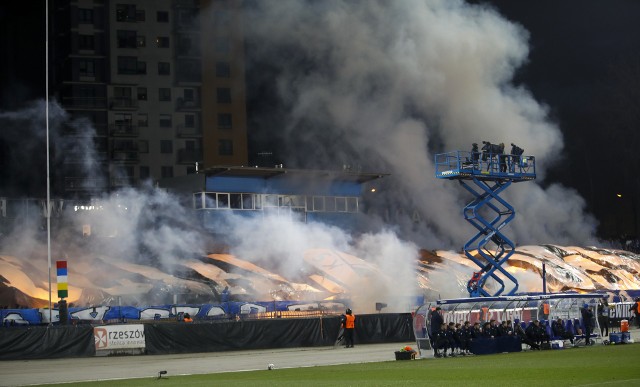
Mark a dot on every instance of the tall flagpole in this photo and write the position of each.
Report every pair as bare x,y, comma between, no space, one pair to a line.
48,207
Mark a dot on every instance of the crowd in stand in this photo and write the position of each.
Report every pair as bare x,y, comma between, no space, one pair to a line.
455,339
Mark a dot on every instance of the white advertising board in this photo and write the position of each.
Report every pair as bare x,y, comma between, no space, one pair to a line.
109,337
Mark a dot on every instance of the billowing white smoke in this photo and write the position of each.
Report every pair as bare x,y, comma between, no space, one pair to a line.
146,226
385,85
280,244
26,130
394,82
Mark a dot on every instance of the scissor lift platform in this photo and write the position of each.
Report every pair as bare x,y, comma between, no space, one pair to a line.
484,166
486,176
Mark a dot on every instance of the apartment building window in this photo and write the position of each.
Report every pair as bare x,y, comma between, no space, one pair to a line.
162,42
166,146
222,45
164,68
145,172
127,39
123,120
86,91
165,120
189,95
222,19
86,68
184,46
122,92
190,121
224,121
143,120
143,146
142,93
225,147
142,67
140,15
86,42
164,93
223,95
166,171
223,70
162,17
125,13
85,16
141,41
127,65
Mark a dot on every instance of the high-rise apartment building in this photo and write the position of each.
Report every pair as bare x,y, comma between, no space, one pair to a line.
162,83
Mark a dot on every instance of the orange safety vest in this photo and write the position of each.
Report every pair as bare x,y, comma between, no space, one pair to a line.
485,313
350,322
638,307
545,308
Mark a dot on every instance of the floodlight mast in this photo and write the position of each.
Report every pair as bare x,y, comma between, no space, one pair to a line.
48,206
486,175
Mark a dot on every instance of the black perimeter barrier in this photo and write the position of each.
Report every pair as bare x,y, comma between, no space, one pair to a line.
48,342
180,337
273,333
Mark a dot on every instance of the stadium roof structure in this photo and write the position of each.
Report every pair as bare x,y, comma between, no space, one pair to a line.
264,172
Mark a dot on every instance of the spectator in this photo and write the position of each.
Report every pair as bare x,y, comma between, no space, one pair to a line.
466,334
441,341
536,333
635,309
603,316
520,332
509,327
503,329
187,318
587,321
486,330
493,328
349,328
451,338
435,325
544,310
476,331
557,327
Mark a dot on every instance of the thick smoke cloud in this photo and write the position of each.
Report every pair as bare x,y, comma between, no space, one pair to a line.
380,86
386,85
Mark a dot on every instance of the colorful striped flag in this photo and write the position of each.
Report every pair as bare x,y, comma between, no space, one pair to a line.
63,289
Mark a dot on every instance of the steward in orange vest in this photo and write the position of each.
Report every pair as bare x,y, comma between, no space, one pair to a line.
349,328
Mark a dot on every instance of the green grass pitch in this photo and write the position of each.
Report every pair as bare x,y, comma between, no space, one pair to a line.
586,366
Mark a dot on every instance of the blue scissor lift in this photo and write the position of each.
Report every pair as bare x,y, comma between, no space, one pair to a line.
486,176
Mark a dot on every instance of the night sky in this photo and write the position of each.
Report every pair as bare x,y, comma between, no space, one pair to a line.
584,65
581,53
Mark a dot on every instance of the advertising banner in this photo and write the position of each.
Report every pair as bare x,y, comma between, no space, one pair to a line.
109,337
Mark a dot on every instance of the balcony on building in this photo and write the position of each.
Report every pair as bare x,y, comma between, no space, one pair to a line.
183,131
123,129
83,129
123,156
124,151
77,184
186,15
84,102
123,103
188,46
125,181
189,156
184,105
80,157
188,72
